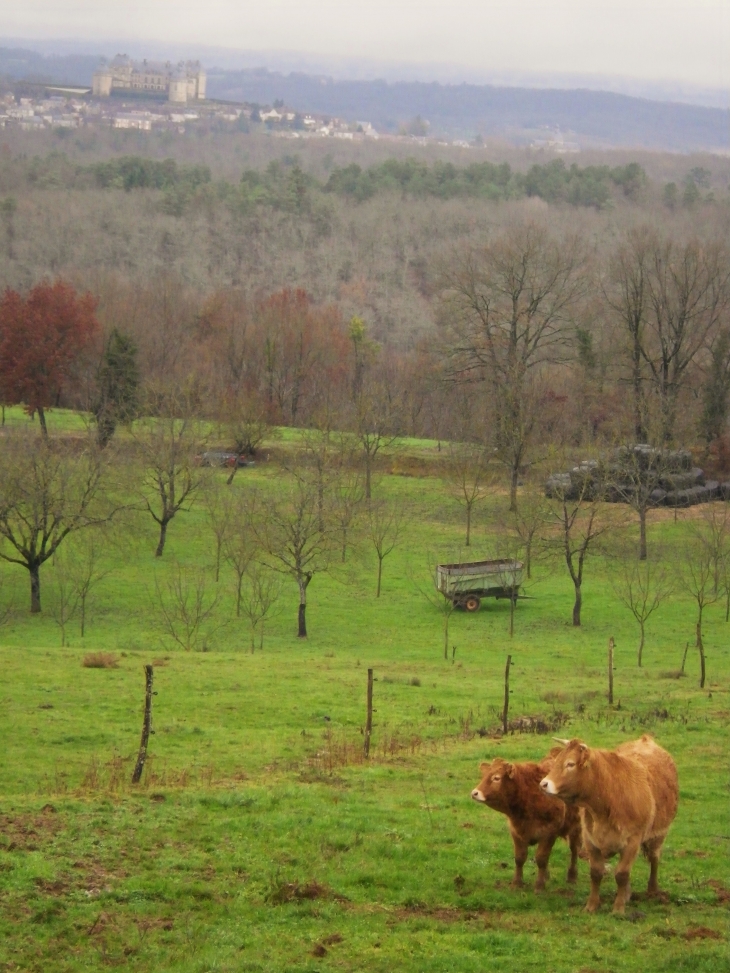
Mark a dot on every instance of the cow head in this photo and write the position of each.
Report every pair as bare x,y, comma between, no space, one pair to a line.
496,782
563,779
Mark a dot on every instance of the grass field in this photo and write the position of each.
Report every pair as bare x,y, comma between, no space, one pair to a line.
260,839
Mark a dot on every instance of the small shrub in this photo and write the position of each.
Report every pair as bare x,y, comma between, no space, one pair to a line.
415,681
100,660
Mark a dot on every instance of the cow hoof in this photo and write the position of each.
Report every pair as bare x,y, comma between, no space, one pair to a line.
572,878
516,885
591,907
540,888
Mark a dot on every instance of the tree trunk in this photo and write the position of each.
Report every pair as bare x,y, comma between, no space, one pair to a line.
35,589
701,648
83,614
642,534
42,421
577,605
639,430
468,525
380,575
446,636
528,559
514,476
641,643
367,476
163,536
302,633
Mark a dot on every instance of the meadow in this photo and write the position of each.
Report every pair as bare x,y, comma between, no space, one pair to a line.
260,839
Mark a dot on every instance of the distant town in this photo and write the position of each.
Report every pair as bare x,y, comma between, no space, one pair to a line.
148,96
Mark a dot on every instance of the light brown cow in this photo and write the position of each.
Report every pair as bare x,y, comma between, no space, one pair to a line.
627,798
533,817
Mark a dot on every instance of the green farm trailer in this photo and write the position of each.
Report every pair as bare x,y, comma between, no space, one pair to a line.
466,584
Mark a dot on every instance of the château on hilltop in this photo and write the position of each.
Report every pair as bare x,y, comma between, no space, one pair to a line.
180,83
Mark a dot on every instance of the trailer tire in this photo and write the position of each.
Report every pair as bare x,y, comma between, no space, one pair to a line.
472,603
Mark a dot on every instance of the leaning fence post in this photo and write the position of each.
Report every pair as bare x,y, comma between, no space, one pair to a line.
610,670
369,719
142,755
505,711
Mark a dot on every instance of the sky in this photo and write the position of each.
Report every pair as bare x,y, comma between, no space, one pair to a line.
686,41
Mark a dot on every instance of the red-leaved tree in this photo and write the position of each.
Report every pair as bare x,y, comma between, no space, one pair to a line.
41,338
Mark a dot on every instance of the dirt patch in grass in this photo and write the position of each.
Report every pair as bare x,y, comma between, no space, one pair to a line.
701,932
25,832
283,892
721,891
440,913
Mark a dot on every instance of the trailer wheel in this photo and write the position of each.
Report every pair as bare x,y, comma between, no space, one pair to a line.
472,603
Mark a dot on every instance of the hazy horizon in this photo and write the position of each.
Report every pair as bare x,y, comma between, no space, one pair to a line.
684,44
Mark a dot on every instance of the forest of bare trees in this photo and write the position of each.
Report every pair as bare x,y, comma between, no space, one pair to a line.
420,307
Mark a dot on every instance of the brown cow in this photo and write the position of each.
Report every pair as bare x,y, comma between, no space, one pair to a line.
627,798
534,818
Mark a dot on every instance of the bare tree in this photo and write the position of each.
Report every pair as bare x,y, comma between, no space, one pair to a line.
348,494
468,470
641,586
185,605
295,535
241,542
527,523
581,519
85,568
258,598
376,424
638,472
48,492
427,585
696,572
626,294
66,603
385,527
168,446
219,507
508,304
688,293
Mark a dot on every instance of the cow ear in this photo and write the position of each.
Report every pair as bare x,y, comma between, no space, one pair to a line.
484,767
510,770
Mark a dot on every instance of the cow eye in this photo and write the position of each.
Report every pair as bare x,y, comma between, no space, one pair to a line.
570,764
495,778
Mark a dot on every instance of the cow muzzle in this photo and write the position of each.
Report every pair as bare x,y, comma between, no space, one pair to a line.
478,796
548,786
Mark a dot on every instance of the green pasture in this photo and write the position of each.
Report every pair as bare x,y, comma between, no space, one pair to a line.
260,839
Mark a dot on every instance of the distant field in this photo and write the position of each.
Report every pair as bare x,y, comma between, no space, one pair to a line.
259,839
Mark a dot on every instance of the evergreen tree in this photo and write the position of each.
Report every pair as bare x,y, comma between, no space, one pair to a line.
118,381
715,392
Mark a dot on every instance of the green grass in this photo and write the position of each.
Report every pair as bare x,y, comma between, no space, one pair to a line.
260,840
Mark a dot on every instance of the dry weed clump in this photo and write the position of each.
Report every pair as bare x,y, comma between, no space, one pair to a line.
100,660
281,893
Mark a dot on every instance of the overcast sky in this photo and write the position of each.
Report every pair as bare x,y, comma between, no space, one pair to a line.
682,40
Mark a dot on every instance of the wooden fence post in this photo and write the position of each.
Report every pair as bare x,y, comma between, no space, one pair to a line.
505,711
610,670
369,719
146,723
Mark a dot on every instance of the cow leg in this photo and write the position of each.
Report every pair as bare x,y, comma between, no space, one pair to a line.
542,857
574,840
598,870
623,874
653,850
520,859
